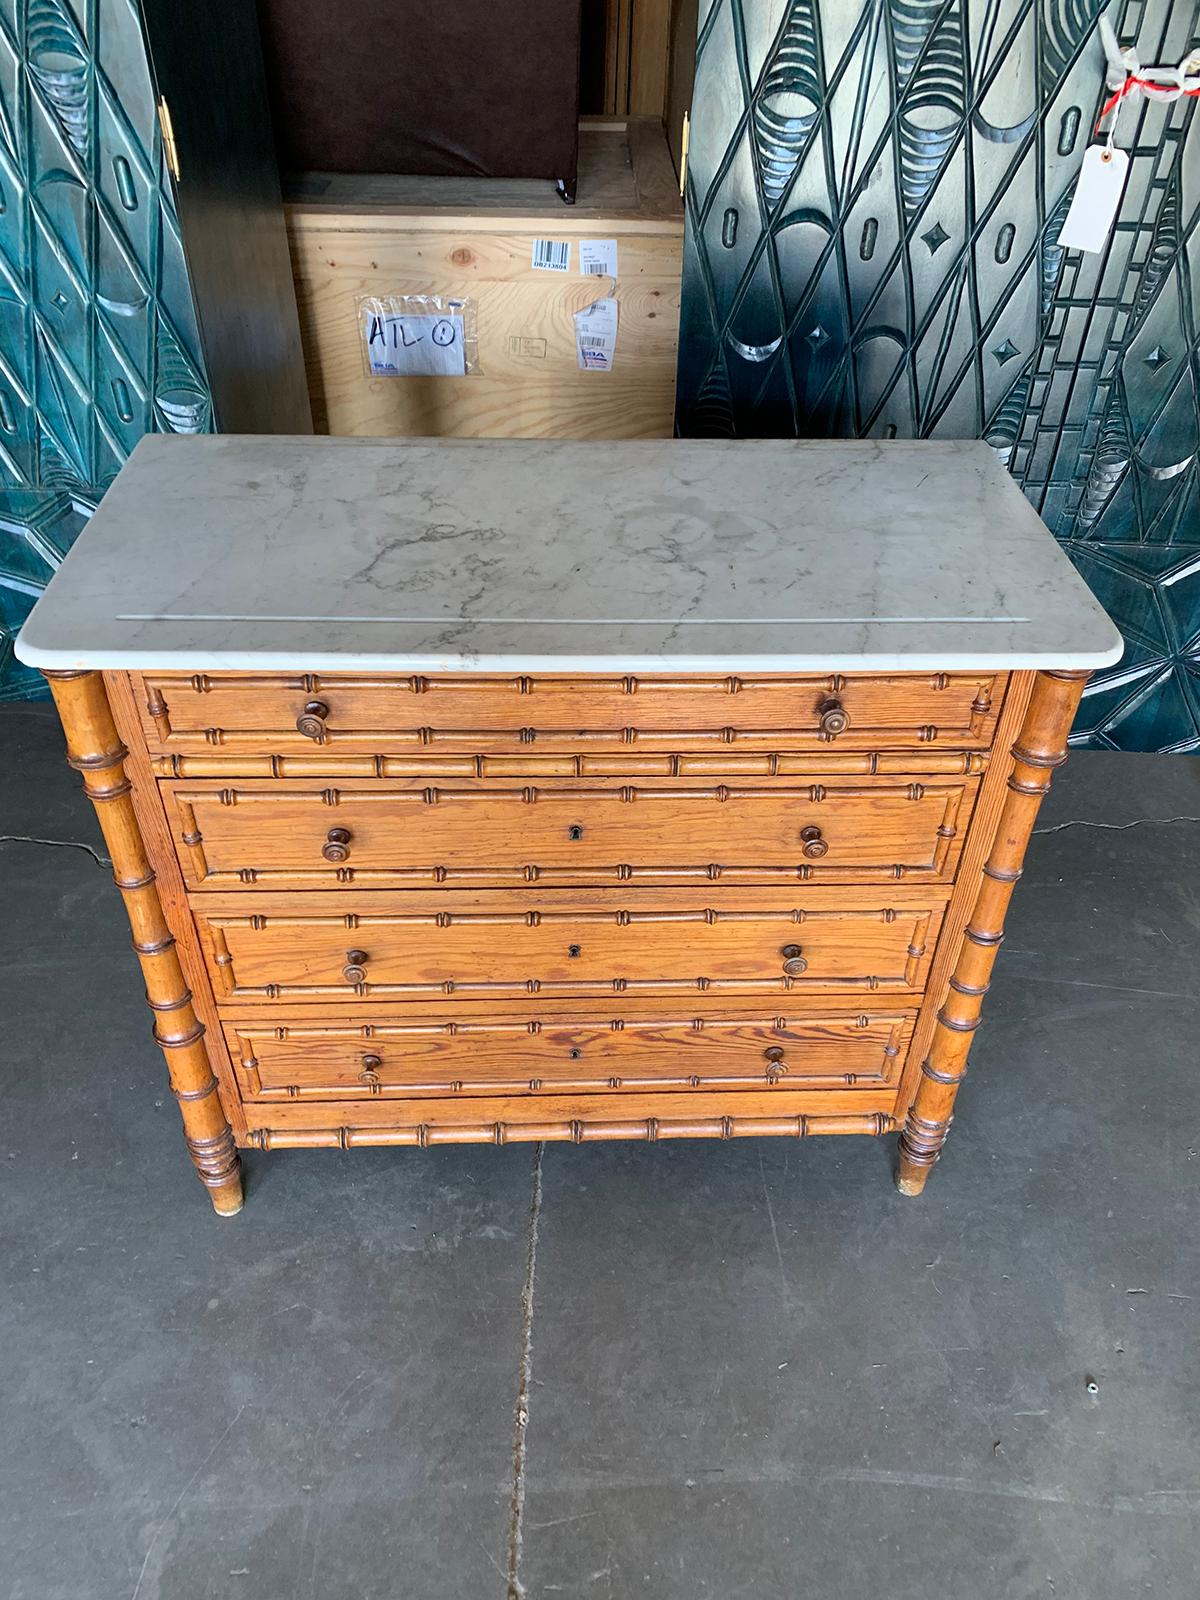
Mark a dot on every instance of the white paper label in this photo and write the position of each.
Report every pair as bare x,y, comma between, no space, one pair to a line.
400,346
1096,199
596,336
551,255
598,258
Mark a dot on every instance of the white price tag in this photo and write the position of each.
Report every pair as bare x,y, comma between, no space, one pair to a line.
596,336
1097,196
598,258
401,346
551,255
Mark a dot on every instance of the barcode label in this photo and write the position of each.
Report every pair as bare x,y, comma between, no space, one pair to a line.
598,258
596,336
551,255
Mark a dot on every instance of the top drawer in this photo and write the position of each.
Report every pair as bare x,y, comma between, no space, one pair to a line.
293,712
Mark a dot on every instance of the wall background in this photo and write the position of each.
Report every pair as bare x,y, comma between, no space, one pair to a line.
874,194
98,340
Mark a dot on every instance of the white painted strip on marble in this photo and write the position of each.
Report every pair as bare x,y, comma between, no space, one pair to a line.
549,622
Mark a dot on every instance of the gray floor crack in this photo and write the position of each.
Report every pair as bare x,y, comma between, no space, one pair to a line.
525,1379
1118,827
64,844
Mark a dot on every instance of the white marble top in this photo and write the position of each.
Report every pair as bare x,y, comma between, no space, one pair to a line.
327,555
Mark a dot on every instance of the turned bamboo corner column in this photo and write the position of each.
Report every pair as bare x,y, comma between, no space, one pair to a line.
1041,746
95,749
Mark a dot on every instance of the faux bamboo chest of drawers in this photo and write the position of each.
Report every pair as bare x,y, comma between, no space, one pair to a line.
468,791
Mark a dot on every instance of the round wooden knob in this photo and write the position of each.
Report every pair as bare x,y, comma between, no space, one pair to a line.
337,845
812,843
355,970
311,721
776,1065
370,1069
794,963
834,718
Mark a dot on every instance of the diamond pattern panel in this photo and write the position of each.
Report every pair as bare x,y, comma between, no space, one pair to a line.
98,340
875,192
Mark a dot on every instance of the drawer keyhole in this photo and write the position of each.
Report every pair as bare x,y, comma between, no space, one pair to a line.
574,1053
574,950
575,831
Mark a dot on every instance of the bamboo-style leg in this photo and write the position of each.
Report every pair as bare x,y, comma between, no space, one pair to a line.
95,749
1041,746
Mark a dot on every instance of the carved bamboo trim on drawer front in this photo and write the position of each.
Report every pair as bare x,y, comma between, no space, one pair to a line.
192,840
774,1050
678,764
628,794
624,684
775,965
803,854
262,709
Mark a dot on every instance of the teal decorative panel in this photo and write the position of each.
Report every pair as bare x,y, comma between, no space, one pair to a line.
98,340
875,192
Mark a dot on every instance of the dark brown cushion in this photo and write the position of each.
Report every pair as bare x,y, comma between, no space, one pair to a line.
471,87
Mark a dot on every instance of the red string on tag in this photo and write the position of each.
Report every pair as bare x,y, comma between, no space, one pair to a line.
1127,87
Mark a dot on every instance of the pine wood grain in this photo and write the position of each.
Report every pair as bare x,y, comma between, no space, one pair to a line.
503,1119
152,823
401,833
593,914
442,1054
245,712
270,947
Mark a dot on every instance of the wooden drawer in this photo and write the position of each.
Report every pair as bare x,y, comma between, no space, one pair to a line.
414,946
561,833
868,711
594,1053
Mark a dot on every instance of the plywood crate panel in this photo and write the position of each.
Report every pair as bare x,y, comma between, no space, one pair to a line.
451,237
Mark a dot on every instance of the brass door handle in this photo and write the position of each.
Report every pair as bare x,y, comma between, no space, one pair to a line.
813,843
337,845
355,970
834,717
311,721
370,1069
794,961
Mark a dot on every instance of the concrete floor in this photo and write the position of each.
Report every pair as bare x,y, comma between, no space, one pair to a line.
747,1369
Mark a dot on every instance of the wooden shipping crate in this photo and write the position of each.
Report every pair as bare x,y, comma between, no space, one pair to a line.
354,236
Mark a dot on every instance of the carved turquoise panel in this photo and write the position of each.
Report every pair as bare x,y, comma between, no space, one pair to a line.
98,339
875,192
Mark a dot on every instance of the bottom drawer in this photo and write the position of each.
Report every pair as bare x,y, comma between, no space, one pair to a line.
436,1056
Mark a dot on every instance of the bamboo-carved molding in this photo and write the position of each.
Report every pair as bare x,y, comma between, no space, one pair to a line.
677,764
575,1131
1041,746
95,750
